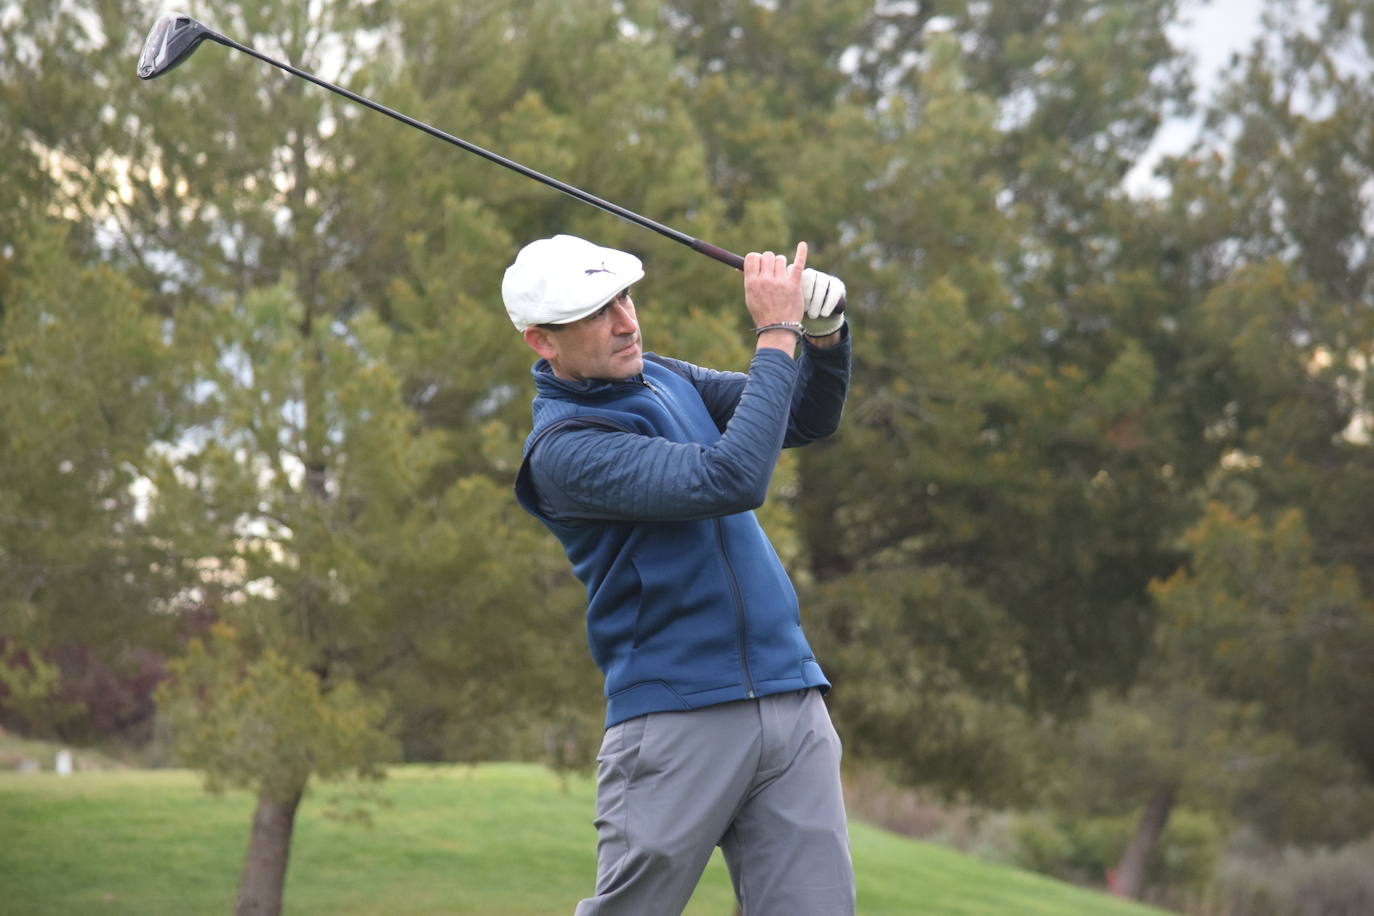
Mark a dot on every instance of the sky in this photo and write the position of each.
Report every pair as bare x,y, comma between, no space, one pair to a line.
1211,32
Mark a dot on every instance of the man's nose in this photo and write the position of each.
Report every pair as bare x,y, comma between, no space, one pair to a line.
624,321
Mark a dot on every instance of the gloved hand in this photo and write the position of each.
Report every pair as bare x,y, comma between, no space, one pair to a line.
822,294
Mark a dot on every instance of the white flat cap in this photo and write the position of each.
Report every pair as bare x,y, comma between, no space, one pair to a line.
562,279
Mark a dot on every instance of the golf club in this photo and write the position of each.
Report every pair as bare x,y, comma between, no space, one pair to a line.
175,36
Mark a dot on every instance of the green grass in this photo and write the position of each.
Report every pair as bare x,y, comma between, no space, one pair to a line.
494,840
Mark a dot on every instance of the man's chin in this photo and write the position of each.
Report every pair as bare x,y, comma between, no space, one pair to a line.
628,361
630,366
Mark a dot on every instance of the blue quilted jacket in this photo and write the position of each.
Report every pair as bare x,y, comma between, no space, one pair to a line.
650,484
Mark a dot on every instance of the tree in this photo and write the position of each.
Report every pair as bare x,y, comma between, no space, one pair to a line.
1287,329
1272,389
336,555
1007,436
1273,188
262,723
82,388
1264,622
359,552
1251,707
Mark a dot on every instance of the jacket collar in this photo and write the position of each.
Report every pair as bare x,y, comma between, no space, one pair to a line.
551,386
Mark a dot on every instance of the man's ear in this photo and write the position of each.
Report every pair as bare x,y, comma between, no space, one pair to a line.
541,341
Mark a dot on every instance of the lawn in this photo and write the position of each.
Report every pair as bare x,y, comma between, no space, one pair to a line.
494,840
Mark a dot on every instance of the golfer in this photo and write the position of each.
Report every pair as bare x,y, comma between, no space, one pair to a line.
648,470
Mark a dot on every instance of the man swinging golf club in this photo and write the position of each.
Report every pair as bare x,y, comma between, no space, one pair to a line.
647,469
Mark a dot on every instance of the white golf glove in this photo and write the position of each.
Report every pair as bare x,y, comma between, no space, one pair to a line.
821,295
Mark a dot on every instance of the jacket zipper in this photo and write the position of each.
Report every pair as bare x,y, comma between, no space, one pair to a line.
742,628
739,610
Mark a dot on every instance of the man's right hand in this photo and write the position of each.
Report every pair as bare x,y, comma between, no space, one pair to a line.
773,295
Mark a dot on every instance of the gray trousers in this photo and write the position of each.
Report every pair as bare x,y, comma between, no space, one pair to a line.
758,778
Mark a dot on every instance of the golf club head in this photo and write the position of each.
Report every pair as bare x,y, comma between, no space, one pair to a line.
172,39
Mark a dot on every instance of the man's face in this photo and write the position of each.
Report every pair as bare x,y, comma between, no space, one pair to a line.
605,345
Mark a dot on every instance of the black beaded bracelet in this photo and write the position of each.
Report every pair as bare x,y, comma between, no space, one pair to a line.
794,326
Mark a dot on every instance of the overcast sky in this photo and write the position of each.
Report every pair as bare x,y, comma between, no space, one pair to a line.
1211,32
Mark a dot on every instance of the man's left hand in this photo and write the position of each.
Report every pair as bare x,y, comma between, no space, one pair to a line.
821,295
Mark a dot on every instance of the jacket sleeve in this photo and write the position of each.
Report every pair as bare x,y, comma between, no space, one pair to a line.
599,474
818,395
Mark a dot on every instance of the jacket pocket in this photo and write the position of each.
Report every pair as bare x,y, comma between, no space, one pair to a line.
686,629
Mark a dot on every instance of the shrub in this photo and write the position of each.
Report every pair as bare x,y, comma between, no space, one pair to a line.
1084,849
1295,882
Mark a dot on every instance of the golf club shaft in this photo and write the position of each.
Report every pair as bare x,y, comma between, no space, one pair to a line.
711,251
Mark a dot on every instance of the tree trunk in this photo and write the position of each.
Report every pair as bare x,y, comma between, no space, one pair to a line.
264,866
1129,878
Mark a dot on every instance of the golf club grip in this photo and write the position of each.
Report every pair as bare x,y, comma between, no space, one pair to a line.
720,254
734,260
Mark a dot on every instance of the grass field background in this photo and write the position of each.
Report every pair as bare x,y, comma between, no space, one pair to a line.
491,840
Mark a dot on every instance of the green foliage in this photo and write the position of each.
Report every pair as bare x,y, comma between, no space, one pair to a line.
82,396
1086,849
894,661
1234,696
338,283
1263,623
32,688
1274,232
1006,423
1166,733
1237,295
299,404
264,724
338,529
